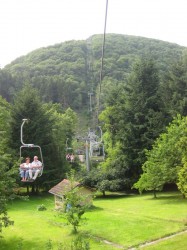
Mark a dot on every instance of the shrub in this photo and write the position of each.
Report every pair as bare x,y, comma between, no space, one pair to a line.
41,207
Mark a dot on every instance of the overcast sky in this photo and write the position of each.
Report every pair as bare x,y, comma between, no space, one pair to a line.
26,25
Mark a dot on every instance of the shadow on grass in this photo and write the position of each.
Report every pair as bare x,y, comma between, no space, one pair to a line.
120,195
94,208
169,198
17,243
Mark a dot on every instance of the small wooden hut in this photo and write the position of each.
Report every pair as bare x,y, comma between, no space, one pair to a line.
64,186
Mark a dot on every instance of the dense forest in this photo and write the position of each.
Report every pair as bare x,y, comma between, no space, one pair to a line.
65,73
143,89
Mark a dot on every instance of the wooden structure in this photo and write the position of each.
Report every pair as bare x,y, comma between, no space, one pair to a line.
65,186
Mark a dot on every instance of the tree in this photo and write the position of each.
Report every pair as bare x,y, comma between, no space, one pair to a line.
7,181
182,170
182,179
63,127
38,131
61,73
48,127
143,117
102,179
151,179
174,89
166,158
7,85
75,204
134,120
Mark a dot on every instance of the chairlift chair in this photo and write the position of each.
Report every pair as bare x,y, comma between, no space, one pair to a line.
30,146
69,153
96,151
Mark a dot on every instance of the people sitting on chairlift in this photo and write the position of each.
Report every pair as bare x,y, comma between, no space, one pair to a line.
70,157
24,169
35,169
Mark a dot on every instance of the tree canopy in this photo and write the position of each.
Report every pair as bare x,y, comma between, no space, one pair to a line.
7,180
47,127
65,73
166,159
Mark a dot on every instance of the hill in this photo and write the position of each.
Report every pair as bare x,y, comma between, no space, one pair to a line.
65,73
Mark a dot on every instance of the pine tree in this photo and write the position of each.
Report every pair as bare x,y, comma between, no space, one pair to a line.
143,118
7,181
174,89
38,131
134,121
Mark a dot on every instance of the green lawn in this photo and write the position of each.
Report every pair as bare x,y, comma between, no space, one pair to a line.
177,242
124,220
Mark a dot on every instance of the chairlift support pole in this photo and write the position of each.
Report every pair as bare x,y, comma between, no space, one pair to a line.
87,157
90,95
101,133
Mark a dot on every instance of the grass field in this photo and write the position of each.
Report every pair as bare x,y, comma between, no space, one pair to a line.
123,220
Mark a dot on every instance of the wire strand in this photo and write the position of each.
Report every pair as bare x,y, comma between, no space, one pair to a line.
102,59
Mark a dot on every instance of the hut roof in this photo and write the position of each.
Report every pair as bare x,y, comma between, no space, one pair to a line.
64,186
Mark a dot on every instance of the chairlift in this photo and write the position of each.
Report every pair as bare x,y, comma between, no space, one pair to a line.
96,150
30,146
70,157
81,155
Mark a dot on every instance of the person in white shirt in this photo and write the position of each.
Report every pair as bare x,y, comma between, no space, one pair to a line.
36,167
24,169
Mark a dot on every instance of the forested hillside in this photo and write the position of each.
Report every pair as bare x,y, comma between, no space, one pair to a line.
142,90
142,113
65,73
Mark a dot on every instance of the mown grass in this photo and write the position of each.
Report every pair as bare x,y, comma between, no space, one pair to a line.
176,243
126,220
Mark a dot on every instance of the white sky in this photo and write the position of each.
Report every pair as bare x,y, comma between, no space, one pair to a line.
26,25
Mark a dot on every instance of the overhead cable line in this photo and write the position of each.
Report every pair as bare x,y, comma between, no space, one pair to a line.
102,59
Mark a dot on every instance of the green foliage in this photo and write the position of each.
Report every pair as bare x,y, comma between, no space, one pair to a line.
47,127
7,85
137,110
79,243
41,207
151,179
133,120
164,159
74,208
173,88
27,104
7,181
20,244
63,127
75,204
102,179
64,73
6,189
49,245
182,180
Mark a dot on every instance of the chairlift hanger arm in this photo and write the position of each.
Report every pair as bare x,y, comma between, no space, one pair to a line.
24,120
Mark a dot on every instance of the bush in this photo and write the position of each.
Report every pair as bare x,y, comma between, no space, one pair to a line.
41,207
